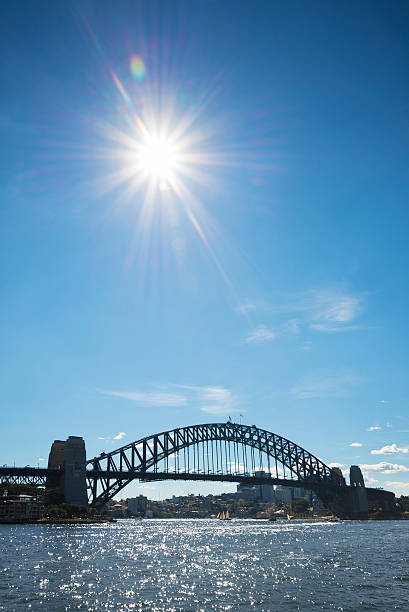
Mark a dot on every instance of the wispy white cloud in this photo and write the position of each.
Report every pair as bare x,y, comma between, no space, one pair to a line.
246,307
209,393
292,326
217,409
119,436
263,333
337,307
331,329
40,459
374,428
146,487
330,309
322,386
334,310
260,335
390,449
212,399
400,487
335,464
370,481
149,399
355,444
384,467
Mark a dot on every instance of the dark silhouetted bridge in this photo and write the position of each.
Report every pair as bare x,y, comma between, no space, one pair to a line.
228,452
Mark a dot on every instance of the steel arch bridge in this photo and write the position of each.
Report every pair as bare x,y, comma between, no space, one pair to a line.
214,451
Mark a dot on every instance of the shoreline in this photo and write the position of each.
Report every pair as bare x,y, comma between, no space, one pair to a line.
67,521
104,520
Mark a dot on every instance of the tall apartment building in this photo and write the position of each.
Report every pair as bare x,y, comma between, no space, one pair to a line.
137,505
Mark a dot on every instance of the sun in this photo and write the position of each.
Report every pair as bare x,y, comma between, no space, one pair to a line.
162,159
158,159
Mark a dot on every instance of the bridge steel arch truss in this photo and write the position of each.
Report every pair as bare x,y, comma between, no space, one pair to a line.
213,451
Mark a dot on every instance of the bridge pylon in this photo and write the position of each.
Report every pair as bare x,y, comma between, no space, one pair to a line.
70,457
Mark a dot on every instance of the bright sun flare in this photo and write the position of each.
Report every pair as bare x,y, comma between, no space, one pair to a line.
158,159
160,152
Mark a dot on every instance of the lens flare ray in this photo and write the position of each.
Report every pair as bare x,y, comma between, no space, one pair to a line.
163,150
160,153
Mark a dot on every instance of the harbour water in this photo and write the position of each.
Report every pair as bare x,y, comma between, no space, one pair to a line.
192,565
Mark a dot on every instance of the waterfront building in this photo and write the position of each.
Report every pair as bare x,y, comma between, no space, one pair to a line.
286,495
117,510
247,493
20,509
265,491
283,494
262,493
137,505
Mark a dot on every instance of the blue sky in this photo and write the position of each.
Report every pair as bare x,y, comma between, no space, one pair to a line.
264,275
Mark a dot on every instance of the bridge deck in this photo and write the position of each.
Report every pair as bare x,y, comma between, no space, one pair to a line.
39,476
237,478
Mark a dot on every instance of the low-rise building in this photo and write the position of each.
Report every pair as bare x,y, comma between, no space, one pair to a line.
20,509
117,510
247,493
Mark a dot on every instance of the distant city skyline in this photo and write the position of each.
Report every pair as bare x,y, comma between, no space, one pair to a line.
204,215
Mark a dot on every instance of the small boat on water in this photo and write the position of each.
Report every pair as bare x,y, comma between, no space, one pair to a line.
224,516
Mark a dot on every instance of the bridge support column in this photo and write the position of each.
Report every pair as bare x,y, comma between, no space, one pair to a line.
347,502
359,497
71,458
73,481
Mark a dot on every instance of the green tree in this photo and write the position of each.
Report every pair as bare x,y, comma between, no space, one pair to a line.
404,502
55,512
17,489
52,497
